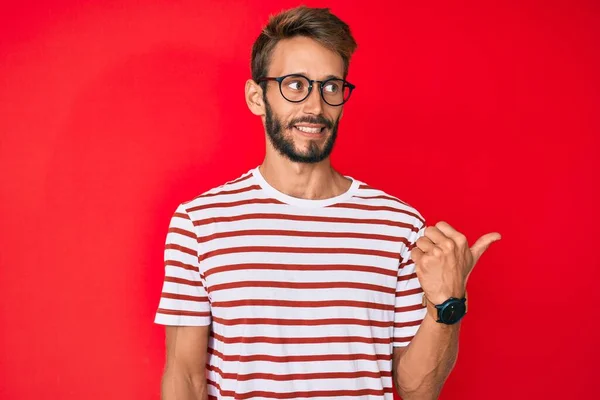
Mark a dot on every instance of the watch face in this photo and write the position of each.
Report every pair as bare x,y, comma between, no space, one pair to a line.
452,312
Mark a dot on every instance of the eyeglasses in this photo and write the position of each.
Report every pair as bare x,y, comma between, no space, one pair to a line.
296,88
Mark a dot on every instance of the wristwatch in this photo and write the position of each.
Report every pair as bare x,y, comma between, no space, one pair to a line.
451,311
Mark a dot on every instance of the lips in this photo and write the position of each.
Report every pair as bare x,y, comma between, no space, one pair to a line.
314,129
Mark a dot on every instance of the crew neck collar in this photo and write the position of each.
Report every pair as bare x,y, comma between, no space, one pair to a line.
305,203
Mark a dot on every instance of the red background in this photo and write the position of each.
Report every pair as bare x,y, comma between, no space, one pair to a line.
114,112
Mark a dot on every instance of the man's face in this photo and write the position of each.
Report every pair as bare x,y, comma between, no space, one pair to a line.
291,126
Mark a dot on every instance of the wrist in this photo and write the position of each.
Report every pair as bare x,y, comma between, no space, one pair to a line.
432,315
433,310
431,305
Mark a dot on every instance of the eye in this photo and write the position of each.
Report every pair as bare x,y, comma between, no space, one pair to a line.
331,87
296,84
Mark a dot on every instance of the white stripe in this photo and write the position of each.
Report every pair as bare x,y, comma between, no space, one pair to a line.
292,331
301,385
270,367
180,320
310,295
302,242
177,288
186,305
287,275
334,258
226,210
307,313
273,349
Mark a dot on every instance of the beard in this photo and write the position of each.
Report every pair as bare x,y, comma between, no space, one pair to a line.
285,144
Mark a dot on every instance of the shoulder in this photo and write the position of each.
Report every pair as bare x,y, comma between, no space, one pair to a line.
238,188
396,207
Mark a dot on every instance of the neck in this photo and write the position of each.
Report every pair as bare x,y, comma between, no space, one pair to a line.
306,181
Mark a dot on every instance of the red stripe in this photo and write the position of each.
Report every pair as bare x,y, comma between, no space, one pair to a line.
234,204
407,277
300,304
385,197
300,267
224,192
240,179
406,264
409,308
302,285
300,250
299,340
409,292
274,232
184,313
179,264
300,377
301,322
358,206
299,358
183,232
183,249
406,324
198,299
403,339
182,215
304,218
182,281
294,395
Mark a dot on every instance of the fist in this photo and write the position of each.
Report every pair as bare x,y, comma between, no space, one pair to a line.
444,261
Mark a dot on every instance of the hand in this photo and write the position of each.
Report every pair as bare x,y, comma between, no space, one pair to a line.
444,261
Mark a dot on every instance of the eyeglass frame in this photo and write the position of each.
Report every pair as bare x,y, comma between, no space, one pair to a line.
279,80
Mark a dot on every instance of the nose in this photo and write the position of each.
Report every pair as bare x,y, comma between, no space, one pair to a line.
313,104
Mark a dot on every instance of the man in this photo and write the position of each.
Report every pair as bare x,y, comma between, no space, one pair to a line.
295,281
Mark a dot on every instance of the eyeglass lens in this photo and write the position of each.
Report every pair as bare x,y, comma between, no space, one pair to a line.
334,92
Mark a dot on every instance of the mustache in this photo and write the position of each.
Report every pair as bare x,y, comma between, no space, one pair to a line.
319,119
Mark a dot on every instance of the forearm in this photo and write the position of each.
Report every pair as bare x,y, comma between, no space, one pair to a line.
422,370
177,385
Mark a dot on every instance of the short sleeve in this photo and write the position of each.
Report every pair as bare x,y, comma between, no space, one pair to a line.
184,300
409,310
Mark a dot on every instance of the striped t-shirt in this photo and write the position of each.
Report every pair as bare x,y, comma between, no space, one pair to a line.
305,298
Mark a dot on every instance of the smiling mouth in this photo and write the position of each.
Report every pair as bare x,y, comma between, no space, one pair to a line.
310,129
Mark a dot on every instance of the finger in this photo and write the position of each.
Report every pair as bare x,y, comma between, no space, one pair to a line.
425,244
482,244
435,234
439,238
416,254
449,231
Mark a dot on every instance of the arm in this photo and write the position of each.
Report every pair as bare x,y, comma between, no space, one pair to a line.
443,262
185,311
185,372
421,368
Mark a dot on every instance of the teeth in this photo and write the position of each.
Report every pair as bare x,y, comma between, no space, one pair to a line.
308,130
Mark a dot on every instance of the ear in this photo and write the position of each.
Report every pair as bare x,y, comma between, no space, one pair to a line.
254,98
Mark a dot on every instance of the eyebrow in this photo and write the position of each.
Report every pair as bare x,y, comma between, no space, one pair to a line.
305,74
